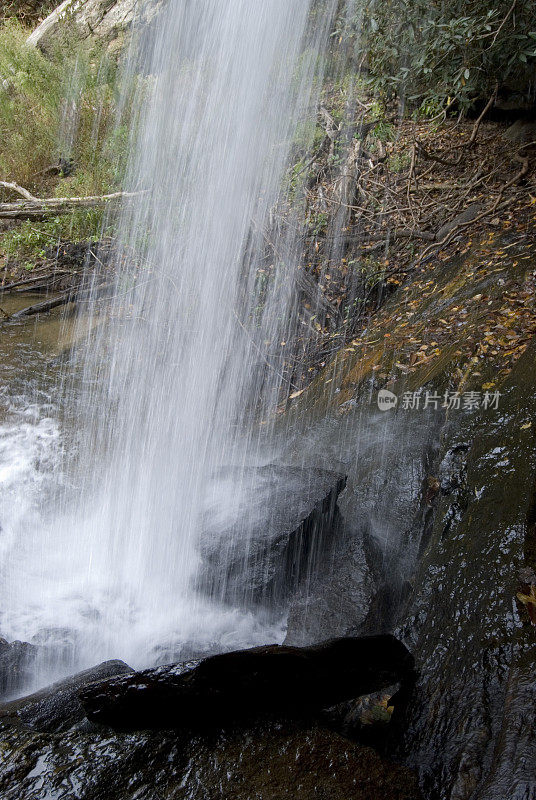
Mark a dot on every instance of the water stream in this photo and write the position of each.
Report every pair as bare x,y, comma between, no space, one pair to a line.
108,462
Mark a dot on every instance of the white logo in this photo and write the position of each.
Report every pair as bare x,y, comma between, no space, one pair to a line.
386,400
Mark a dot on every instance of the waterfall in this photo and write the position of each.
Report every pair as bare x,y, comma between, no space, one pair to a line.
186,372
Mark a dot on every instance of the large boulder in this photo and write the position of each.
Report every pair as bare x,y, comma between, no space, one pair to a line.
362,584
266,529
245,685
105,21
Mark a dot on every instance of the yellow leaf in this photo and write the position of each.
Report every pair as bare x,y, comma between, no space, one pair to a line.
527,599
296,394
527,425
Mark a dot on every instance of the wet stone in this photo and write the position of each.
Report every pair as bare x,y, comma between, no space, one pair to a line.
232,688
260,547
57,707
16,664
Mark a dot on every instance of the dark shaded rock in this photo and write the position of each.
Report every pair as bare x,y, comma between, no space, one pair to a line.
470,732
362,584
521,132
16,662
337,600
288,762
249,684
58,708
267,762
271,537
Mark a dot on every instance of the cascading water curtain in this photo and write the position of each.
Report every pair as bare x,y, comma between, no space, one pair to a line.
179,377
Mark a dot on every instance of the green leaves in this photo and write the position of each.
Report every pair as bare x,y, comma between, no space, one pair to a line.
429,51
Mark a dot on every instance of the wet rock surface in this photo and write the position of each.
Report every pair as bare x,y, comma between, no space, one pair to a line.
16,663
299,764
57,708
233,688
465,515
267,762
266,531
469,731
49,751
365,579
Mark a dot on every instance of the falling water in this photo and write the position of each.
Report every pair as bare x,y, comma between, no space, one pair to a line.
173,388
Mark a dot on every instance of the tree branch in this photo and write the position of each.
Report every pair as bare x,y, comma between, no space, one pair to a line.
40,208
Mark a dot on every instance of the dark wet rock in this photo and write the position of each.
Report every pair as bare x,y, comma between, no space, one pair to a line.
58,708
337,599
81,765
272,537
16,662
231,688
470,731
364,581
286,762
268,762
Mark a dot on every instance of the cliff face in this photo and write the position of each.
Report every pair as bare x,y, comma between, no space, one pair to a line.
440,500
106,21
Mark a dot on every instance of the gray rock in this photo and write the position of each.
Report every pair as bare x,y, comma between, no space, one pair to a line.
337,600
382,517
259,547
521,132
105,21
16,662
57,707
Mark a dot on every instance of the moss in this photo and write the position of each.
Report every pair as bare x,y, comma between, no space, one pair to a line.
460,324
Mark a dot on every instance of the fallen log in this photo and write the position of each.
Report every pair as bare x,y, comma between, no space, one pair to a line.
40,208
8,287
44,306
70,296
232,688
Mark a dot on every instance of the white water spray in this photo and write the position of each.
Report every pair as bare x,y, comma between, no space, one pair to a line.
171,388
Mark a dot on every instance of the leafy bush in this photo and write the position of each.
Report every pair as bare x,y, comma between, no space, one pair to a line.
432,54
27,11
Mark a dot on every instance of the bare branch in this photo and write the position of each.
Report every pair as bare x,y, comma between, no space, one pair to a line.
40,208
14,187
